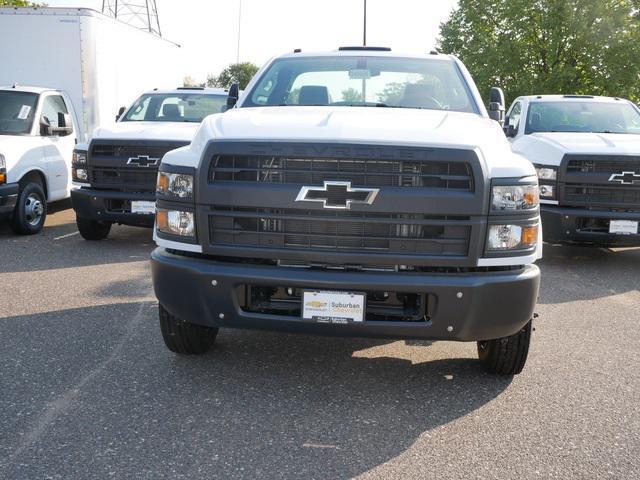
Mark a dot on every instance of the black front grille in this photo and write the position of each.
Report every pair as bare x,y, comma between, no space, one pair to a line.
600,182
591,195
360,172
110,166
609,164
115,176
126,151
343,231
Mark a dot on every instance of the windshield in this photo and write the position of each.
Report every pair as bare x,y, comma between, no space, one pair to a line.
188,107
583,116
363,81
16,112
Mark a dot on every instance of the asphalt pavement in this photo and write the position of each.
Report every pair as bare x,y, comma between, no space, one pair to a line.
88,390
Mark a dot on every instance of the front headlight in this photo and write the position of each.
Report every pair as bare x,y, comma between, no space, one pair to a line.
175,222
511,237
79,157
547,173
547,177
514,197
79,171
3,169
178,185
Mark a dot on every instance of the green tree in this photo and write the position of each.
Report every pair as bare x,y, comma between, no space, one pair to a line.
236,72
352,95
548,46
20,3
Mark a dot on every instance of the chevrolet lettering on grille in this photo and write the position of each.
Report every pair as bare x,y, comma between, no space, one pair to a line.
143,161
626,178
337,195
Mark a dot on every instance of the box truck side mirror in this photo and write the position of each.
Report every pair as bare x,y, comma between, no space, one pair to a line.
120,112
65,125
45,127
64,128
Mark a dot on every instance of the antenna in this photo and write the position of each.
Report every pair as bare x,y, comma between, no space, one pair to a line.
364,34
142,14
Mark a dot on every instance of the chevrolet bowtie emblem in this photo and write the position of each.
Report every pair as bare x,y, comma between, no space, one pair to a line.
626,178
339,195
143,161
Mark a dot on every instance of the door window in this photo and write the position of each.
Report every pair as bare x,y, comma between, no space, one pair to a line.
53,104
514,115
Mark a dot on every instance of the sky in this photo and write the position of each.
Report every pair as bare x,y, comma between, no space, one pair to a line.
207,30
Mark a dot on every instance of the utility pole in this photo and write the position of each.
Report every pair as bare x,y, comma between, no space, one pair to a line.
142,14
239,31
364,36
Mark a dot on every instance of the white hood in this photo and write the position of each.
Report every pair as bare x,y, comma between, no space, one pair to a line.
548,148
382,126
170,131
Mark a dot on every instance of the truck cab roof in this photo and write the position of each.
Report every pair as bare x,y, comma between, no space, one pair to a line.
366,52
27,89
571,98
189,90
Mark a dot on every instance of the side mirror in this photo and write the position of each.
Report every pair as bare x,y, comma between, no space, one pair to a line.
65,125
509,130
120,112
496,105
232,97
45,127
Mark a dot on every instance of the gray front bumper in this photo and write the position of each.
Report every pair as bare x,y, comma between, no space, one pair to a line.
474,306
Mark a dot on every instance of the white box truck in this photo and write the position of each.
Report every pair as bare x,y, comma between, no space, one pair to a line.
65,72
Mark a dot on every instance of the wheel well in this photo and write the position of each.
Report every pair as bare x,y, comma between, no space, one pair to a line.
35,176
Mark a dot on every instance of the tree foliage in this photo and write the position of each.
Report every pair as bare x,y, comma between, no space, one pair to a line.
548,46
236,72
20,3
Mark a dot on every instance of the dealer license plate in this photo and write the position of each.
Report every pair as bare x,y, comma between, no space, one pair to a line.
333,307
624,227
141,206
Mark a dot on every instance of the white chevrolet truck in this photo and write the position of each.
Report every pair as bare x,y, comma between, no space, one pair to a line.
116,171
586,151
356,192
38,130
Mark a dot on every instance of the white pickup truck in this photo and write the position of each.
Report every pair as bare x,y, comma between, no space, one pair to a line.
117,169
357,192
586,151
37,134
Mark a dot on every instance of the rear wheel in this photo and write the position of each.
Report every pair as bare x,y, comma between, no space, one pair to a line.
31,210
92,229
506,356
184,337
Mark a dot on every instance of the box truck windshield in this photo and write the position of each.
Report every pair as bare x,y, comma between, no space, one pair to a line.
16,112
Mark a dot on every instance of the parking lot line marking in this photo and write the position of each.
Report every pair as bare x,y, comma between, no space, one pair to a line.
66,236
317,445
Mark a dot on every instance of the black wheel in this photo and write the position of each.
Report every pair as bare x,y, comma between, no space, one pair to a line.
31,210
92,229
183,337
506,356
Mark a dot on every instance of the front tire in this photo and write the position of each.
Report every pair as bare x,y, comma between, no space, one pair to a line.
506,356
184,337
31,210
92,229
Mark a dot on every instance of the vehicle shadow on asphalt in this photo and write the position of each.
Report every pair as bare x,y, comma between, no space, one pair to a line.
60,246
259,405
584,273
